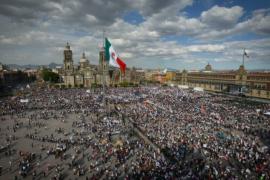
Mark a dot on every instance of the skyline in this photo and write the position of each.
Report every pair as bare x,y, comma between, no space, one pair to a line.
179,34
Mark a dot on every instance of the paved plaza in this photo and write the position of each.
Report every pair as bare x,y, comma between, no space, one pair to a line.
144,132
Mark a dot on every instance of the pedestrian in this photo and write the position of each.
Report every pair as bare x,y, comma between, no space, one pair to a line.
10,165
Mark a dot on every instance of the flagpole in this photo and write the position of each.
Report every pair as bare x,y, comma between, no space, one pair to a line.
103,67
243,61
120,76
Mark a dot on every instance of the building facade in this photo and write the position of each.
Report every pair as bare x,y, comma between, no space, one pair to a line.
85,74
82,75
254,84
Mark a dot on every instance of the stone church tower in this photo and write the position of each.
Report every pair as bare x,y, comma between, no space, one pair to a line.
103,67
68,61
68,78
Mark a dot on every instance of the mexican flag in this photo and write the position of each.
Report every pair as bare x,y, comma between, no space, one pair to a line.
112,57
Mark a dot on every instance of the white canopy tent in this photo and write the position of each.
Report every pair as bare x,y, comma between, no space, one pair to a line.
182,87
24,100
198,89
267,113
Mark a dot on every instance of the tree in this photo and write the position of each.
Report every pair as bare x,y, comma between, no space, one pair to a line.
50,76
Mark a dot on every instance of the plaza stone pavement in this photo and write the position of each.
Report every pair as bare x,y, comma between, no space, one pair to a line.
68,134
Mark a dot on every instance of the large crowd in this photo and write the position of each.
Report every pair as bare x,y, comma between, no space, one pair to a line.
132,133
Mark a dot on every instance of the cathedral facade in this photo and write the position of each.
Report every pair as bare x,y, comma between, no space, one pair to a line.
84,74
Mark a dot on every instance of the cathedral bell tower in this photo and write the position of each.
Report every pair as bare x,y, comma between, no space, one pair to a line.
103,68
68,61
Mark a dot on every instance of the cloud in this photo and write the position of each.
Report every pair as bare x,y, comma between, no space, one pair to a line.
25,39
21,11
205,48
90,18
104,12
43,33
222,17
258,24
126,55
260,21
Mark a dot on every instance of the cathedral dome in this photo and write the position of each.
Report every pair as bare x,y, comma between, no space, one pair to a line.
208,67
83,58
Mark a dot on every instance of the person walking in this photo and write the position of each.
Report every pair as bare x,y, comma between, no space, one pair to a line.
10,165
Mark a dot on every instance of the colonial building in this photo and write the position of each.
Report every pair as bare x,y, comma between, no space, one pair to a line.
255,84
137,76
81,75
85,74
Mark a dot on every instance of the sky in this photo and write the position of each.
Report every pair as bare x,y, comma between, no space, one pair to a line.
178,34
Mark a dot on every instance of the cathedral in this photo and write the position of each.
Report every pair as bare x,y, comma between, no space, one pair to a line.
86,74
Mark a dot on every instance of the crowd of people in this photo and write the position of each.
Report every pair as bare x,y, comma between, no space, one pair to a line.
142,132
205,134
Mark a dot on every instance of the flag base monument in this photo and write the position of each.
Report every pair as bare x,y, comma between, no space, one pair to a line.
108,56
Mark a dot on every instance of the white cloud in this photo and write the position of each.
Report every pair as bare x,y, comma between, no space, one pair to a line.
221,17
258,24
82,23
261,23
126,55
90,18
151,7
205,48
27,38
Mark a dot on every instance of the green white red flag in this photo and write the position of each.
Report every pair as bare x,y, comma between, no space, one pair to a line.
112,57
245,54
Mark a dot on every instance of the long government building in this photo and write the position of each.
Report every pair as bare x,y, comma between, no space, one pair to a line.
255,84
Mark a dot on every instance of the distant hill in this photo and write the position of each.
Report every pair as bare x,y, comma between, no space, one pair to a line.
16,66
32,66
53,65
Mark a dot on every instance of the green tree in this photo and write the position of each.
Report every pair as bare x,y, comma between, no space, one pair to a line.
50,76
